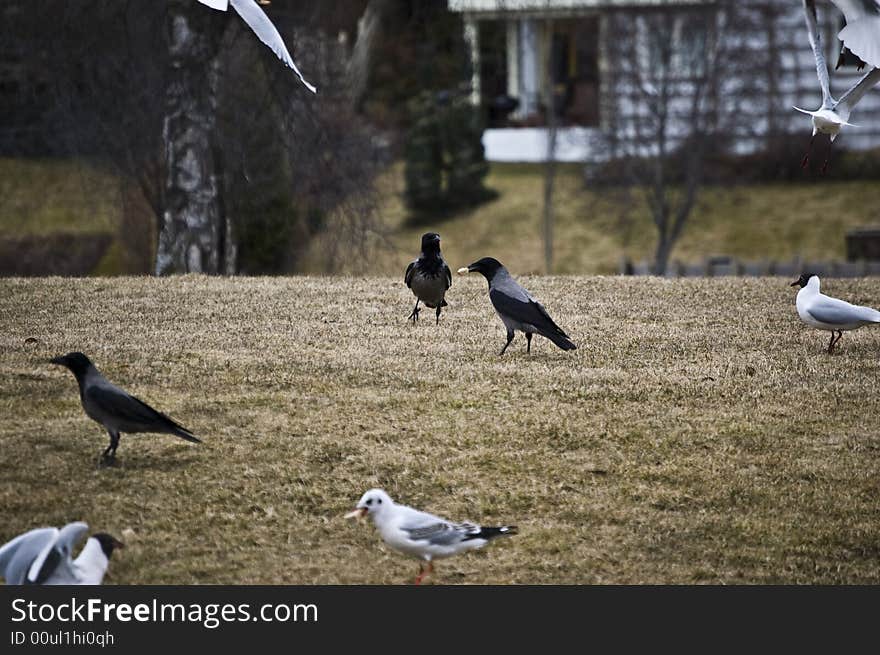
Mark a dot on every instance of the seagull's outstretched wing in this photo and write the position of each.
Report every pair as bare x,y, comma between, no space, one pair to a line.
259,22
816,45
56,554
849,99
861,35
17,555
221,5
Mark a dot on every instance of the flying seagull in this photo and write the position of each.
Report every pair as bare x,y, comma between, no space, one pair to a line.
861,35
429,277
516,307
45,556
833,114
259,22
115,409
825,313
420,534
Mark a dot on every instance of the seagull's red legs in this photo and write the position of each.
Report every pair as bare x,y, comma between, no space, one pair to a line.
806,160
424,572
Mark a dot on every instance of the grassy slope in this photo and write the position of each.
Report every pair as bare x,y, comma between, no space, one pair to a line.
769,221
679,443
39,197
764,221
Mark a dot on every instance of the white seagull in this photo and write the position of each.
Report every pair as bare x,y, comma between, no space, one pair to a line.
861,35
44,556
259,22
420,534
833,114
825,313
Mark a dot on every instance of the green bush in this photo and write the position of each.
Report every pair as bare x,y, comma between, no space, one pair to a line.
445,164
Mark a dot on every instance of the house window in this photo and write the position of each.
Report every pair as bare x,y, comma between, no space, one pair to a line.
574,65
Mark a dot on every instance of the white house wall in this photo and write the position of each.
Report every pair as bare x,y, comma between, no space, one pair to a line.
788,78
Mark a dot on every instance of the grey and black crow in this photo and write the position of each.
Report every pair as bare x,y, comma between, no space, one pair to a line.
516,307
44,556
115,409
429,277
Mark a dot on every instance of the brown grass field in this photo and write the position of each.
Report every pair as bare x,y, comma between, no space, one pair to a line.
700,433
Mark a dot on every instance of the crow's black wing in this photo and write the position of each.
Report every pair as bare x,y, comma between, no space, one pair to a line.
115,402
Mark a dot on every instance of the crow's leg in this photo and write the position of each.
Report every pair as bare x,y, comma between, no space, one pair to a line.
528,342
109,454
414,316
438,314
509,339
424,572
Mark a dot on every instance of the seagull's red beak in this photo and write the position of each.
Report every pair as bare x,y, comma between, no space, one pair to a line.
358,513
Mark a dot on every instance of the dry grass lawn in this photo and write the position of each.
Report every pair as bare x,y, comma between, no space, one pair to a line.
700,434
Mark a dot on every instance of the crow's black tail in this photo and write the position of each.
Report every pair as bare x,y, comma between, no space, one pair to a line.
560,339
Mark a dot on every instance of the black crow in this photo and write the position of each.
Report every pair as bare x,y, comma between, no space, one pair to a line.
115,409
516,307
429,277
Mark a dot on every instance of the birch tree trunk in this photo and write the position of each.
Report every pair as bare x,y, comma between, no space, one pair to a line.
194,233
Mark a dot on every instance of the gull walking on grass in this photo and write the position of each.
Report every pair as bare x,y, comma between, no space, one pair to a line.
826,313
420,534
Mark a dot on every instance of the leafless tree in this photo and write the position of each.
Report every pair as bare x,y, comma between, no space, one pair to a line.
679,90
213,129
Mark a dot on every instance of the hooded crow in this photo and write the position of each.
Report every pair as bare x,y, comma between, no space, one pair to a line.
516,307
429,277
115,409
44,556
420,534
826,313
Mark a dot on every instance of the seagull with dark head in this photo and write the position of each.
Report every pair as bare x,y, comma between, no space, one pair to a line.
516,307
429,277
826,313
114,408
426,536
44,556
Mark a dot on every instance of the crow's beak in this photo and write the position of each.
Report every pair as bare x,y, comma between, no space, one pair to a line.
795,283
464,270
118,544
60,361
358,513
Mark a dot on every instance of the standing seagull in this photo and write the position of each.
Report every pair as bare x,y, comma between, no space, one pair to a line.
44,556
115,409
833,114
516,307
861,36
259,22
420,534
429,277
825,313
